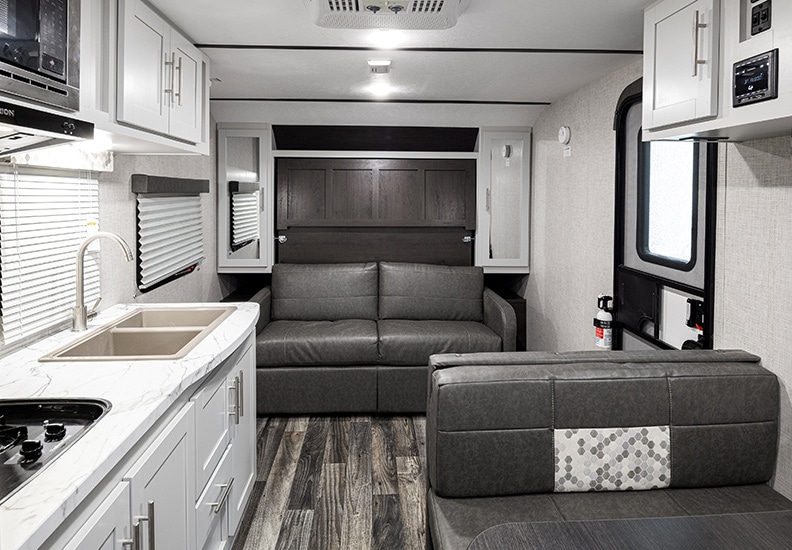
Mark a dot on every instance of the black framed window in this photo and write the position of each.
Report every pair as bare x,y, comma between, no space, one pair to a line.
668,183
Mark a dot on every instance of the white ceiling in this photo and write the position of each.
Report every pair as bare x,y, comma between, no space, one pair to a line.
613,28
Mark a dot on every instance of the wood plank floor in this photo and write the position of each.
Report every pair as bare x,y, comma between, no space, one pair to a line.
338,483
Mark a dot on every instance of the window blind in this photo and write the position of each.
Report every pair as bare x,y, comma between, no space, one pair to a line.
244,218
43,220
170,237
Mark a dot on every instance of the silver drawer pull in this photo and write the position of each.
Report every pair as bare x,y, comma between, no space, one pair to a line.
235,408
217,506
136,528
241,394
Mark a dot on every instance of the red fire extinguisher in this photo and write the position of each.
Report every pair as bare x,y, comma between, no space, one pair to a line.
603,322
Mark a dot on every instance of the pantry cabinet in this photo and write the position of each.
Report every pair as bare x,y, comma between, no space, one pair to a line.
681,67
160,75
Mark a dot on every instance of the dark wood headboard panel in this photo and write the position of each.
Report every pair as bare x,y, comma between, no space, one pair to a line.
352,210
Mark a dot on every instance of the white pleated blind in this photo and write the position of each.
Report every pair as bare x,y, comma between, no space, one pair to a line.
170,236
244,217
43,220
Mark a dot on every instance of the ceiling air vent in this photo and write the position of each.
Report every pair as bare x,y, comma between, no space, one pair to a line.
386,14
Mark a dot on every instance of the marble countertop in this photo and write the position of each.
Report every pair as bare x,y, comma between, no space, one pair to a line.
140,392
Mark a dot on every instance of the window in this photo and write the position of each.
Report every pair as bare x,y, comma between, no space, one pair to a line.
43,220
668,203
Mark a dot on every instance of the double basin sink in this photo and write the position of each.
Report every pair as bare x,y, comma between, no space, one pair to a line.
145,334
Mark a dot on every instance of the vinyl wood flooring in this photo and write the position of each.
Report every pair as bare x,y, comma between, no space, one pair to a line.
338,483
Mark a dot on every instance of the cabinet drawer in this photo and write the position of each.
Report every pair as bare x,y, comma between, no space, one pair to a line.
211,510
212,432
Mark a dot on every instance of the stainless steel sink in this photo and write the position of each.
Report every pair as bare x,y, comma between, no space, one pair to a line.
145,334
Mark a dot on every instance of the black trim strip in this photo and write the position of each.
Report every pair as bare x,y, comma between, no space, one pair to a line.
414,49
363,100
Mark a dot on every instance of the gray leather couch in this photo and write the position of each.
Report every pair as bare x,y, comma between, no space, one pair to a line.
345,338
572,439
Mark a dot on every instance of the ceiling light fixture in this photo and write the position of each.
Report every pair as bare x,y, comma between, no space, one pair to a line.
379,66
386,39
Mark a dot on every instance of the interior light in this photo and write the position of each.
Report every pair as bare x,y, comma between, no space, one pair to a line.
380,89
379,66
386,39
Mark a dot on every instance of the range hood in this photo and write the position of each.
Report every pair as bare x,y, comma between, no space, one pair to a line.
23,129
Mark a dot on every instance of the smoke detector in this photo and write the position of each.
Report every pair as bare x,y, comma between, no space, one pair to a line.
386,14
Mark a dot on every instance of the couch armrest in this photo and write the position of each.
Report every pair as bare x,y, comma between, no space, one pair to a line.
500,317
264,299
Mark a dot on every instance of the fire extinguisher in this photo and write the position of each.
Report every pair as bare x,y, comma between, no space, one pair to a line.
603,322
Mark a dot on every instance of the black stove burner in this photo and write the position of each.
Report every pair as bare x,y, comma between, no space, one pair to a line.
34,432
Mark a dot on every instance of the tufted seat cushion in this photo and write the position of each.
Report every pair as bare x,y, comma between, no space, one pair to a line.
325,343
405,342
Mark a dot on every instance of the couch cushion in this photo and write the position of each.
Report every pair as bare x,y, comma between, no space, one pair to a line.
404,342
324,343
324,292
423,291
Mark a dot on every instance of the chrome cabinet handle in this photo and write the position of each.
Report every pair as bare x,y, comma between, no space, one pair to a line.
136,528
697,26
217,506
181,80
171,64
235,409
241,396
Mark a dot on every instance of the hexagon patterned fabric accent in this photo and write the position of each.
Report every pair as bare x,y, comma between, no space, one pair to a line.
612,459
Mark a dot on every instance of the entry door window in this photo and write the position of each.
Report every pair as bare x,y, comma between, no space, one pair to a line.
668,204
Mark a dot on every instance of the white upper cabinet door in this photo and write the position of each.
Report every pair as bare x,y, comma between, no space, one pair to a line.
681,44
186,120
144,40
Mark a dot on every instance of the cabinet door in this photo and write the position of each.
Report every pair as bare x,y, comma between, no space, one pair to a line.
212,433
163,487
108,526
143,46
244,436
186,119
502,223
681,43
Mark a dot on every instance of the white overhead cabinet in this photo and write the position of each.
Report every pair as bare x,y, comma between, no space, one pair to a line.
681,44
160,75
503,194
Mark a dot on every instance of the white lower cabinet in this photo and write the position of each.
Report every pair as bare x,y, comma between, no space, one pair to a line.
109,527
226,448
163,488
188,488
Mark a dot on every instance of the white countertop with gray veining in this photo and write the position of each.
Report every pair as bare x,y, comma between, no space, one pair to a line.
140,392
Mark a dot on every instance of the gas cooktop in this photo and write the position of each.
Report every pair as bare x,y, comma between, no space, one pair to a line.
34,431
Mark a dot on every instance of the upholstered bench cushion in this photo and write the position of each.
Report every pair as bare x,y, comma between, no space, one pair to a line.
429,292
324,292
405,342
455,522
324,343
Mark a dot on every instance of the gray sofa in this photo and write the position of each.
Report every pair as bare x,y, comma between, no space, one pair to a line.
665,449
347,338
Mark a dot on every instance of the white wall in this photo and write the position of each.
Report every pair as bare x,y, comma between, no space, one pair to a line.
753,286
572,215
118,214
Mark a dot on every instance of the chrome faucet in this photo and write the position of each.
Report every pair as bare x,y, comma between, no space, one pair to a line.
79,311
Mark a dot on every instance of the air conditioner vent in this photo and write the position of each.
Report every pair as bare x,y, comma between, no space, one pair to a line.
343,6
428,6
386,14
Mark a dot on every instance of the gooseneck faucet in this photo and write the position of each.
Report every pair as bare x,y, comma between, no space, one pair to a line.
79,311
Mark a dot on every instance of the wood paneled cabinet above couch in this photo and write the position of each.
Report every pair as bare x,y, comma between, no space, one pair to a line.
343,338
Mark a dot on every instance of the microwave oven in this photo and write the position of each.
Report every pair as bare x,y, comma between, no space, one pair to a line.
40,51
